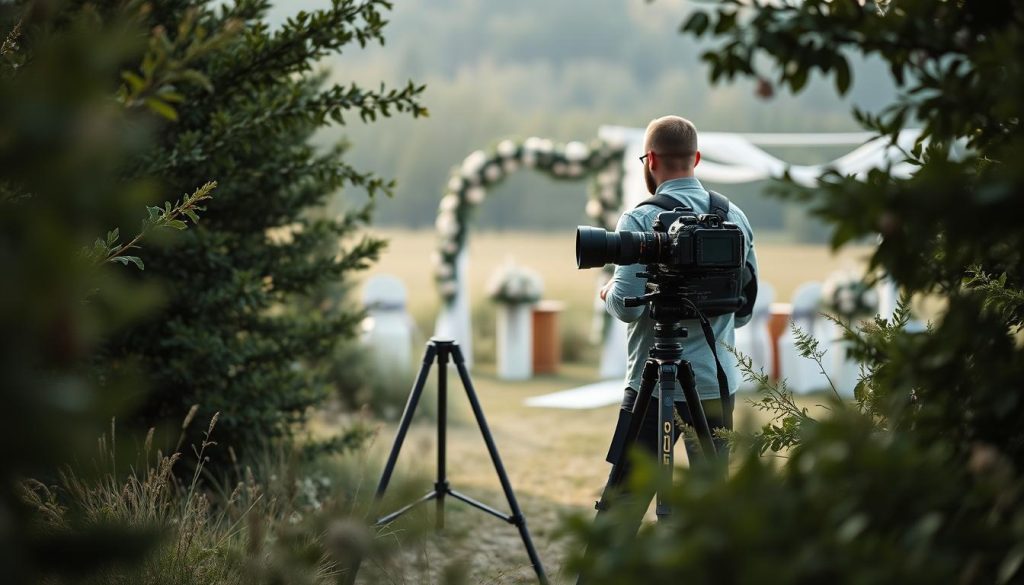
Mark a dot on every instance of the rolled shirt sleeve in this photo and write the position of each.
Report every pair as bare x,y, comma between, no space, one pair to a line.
625,282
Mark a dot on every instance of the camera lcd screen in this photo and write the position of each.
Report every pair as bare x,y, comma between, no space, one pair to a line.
718,250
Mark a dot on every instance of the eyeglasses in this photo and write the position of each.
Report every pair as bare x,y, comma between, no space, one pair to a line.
646,155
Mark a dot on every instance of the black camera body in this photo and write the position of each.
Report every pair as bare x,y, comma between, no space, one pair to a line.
692,262
697,242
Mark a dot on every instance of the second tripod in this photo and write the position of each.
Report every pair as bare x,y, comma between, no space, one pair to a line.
441,350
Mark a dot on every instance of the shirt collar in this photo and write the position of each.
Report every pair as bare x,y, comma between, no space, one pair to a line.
680,183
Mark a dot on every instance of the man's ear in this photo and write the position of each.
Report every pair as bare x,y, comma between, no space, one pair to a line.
653,158
696,159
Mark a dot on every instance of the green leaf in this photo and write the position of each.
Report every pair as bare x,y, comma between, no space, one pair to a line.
697,23
842,75
134,260
162,108
171,96
726,22
798,79
192,215
177,224
134,81
197,78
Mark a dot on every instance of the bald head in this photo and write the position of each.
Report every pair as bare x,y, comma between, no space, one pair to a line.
674,140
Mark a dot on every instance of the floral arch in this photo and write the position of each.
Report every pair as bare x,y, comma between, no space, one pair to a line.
726,157
599,161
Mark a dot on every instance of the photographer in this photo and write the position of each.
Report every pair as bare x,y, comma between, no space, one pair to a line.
670,155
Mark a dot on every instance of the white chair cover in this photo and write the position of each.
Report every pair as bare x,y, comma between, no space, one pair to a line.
802,374
753,339
387,328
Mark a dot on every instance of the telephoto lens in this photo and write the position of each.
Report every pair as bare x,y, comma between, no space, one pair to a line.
596,247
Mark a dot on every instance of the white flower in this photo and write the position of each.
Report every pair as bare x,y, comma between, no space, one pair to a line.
611,196
576,151
510,166
545,146
529,159
447,224
614,144
574,169
609,177
455,184
473,163
532,144
449,203
514,288
514,284
846,294
444,270
559,169
450,247
449,288
476,195
492,172
506,148
594,208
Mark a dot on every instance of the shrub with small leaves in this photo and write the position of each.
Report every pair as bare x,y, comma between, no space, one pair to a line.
242,332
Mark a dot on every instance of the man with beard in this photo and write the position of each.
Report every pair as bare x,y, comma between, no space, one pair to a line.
670,155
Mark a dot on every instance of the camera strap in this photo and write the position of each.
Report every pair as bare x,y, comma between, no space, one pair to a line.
723,381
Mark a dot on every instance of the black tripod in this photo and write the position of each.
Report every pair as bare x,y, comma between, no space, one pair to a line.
663,368
441,349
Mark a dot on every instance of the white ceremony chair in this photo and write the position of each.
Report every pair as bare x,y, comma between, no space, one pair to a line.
388,329
802,374
753,339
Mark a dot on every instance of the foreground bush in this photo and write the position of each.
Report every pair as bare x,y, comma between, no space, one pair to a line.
921,481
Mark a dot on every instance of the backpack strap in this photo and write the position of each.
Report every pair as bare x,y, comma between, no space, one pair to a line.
666,202
719,205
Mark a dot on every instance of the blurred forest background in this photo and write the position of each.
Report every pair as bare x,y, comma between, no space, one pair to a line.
496,70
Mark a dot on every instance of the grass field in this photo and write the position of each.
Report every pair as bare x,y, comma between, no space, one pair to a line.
554,458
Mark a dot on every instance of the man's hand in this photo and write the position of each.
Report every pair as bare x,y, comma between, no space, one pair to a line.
604,289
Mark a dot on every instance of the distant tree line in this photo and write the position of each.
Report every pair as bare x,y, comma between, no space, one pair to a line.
499,70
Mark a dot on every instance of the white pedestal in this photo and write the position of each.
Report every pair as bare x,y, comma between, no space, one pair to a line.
515,341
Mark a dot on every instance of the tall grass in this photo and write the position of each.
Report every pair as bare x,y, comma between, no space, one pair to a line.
281,519
207,535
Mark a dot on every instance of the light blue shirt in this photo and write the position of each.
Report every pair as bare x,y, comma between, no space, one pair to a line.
625,283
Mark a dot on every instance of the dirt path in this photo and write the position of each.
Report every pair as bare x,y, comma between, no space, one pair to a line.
555,462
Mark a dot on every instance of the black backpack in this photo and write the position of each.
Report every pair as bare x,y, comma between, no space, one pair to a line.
720,207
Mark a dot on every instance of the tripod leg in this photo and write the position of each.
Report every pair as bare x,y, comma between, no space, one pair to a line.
625,434
410,410
517,516
668,372
693,404
441,485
